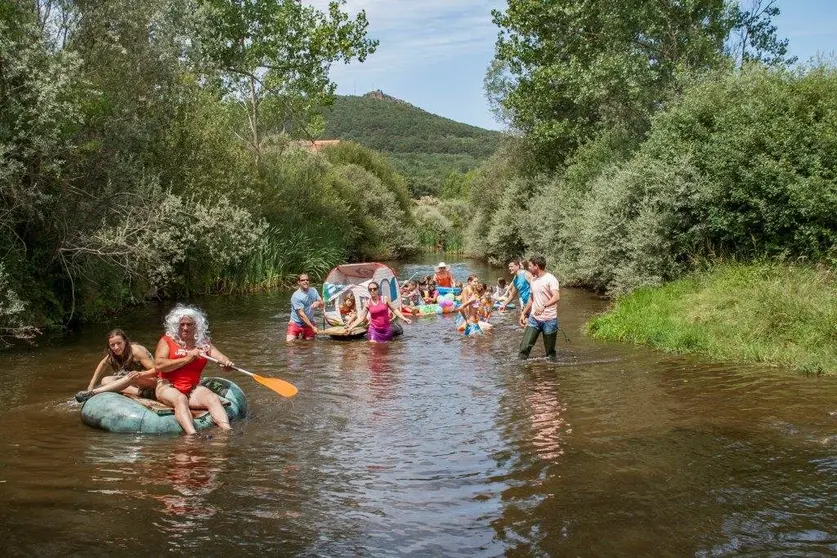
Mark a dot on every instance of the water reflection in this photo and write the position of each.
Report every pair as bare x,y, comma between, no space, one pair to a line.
190,473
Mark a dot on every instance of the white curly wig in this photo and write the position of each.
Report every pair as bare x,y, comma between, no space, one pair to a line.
172,323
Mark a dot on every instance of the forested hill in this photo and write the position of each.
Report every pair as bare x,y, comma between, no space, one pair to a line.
424,147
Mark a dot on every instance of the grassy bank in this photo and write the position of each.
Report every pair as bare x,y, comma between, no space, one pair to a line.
776,314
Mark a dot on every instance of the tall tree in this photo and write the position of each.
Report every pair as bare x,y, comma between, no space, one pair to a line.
280,52
566,70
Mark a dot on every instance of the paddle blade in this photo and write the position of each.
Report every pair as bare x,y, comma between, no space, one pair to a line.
283,388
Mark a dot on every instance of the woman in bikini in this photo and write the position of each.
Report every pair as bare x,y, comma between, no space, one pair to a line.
131,367
179,359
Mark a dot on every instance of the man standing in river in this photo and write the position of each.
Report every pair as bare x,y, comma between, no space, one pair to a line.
540,315
303,302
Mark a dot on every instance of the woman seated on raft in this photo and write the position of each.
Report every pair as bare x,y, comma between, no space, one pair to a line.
377,310
131,367
180,361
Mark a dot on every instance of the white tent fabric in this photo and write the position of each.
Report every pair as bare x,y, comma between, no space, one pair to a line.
352,280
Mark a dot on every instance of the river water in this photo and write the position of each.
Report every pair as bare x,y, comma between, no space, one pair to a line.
433,444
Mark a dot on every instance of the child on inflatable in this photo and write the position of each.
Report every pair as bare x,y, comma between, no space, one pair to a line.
429,294
411,296
470,320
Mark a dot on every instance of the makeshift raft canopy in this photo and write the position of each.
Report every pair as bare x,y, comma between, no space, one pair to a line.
351,281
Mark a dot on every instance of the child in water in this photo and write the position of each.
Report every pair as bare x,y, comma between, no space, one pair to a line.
472,318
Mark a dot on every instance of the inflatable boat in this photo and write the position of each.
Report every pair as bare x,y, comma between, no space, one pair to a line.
116,412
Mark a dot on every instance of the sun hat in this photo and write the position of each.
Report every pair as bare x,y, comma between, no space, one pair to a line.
441,265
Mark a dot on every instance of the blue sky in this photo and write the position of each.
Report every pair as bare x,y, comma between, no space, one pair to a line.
433,53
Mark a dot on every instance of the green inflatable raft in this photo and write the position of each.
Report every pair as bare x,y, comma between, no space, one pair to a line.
115,412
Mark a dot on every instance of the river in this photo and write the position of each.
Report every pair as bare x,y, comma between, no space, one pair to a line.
433,444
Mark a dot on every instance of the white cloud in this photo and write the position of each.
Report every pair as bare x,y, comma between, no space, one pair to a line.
424,31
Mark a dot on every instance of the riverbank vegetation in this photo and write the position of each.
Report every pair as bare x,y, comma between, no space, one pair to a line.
652,138
764,312
146,151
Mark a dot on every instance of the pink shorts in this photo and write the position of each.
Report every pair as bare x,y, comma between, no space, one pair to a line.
295,330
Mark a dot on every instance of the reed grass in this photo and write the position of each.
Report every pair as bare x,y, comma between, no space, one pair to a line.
777,314
283,253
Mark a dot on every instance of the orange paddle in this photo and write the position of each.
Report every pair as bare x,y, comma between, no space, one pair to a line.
283,388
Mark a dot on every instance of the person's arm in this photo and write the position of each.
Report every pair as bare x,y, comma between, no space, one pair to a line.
142,356
319,302
525,312
164,364
464,306
510,294
304,317
398,313
222,359
99,369
359,318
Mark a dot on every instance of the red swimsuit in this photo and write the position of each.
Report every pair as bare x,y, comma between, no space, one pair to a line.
185,378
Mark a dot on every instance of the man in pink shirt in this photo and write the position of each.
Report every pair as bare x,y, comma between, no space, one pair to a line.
541,312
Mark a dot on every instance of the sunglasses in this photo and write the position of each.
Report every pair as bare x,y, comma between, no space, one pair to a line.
373,289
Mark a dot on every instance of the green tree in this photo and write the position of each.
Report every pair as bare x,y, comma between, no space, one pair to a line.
278,52
564,71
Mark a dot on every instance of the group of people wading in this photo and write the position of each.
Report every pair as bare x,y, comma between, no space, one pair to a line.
172,374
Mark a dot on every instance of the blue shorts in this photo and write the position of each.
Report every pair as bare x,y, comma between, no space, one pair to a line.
546,327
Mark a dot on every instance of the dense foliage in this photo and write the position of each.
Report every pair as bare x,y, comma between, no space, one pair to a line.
741,165
566,71
141,155
424,147
676,135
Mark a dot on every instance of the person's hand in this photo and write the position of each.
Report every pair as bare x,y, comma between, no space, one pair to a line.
316,331
539,311
193,354
522,319
226,364
407,320
318,304
133,375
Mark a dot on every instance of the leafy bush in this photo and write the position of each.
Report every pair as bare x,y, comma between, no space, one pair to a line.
13,322
381,225
441,223
741,166
350,153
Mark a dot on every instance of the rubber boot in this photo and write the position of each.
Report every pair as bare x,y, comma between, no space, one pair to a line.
530,336
549,340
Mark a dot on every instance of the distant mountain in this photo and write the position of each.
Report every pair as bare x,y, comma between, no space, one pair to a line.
422,146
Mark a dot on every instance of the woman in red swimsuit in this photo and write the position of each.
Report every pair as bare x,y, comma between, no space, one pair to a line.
179,360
